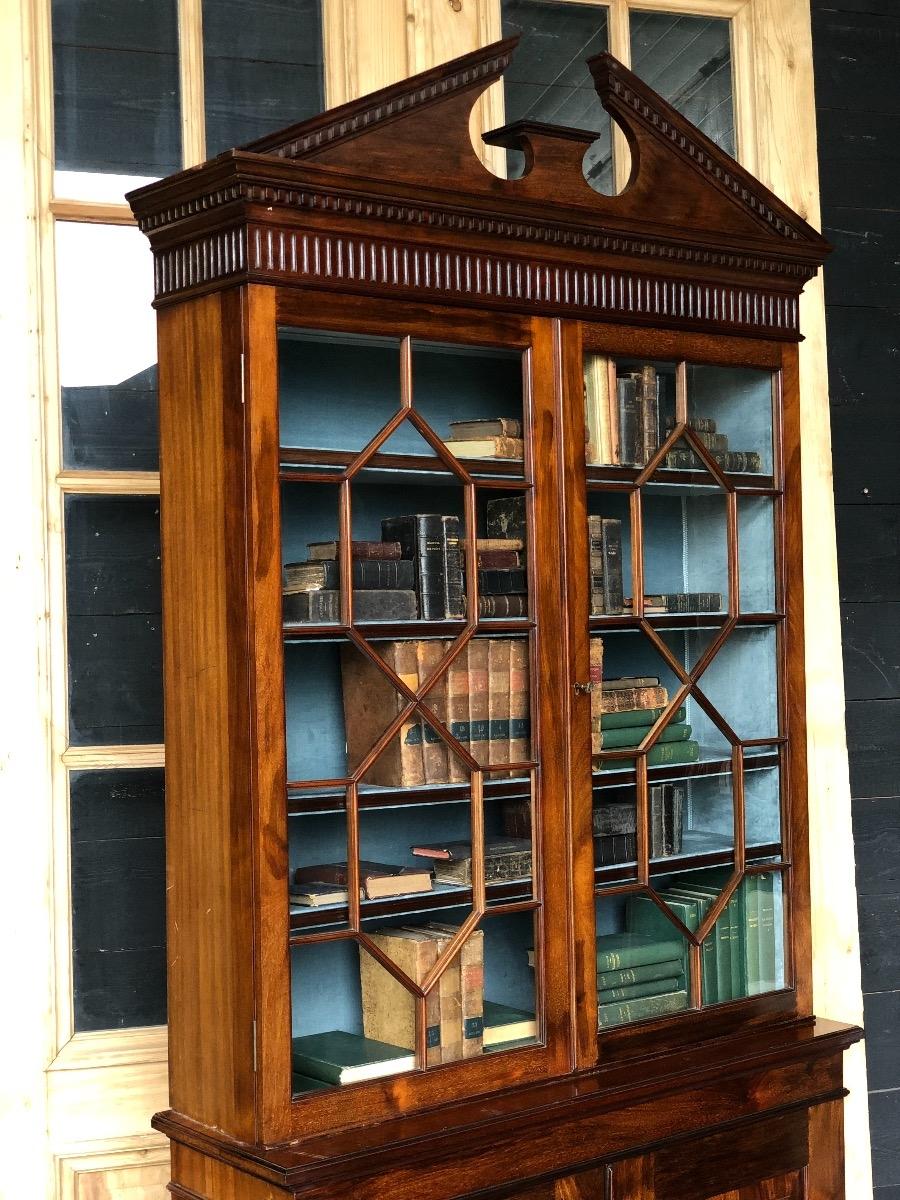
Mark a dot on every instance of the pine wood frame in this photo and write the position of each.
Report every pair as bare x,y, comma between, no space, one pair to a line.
777,84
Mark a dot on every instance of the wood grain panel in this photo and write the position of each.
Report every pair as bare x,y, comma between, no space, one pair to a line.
210,941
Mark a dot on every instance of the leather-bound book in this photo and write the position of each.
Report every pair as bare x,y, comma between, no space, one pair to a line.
429,652
368,573
323,606
471,971
478,657
505,517
324,550
457,718
388,1008
449,993
499,679
422,539
370,701
519,702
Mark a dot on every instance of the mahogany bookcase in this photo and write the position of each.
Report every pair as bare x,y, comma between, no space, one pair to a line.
328,299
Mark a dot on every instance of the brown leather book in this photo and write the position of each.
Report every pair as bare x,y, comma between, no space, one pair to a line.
471,971
499,673
388,1008
639,697
478,651
499,559
429,652
519,702
449,991
370,701
458,714
376,880
596,677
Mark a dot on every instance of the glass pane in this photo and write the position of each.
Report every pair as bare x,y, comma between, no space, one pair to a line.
629,409
118,898
262,68
747,942
116,116
762,801
748,653
688,61
756,544
548,81
730,410
113,619
107,348
642,962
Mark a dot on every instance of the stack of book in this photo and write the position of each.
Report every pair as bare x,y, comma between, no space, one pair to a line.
431,541
605,550
740,954
326,883
338,1057
628,706
482,698
615,825
502,577
384,584
679,602
504,859
460,1022
684,458
640,975
495,437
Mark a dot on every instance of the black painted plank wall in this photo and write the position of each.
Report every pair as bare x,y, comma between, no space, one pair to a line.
856,45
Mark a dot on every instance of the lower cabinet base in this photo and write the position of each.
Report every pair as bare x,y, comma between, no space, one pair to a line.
762,1130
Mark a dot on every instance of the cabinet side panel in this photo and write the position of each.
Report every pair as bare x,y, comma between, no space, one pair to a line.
206,722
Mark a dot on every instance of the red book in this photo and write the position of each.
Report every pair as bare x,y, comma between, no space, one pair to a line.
499,558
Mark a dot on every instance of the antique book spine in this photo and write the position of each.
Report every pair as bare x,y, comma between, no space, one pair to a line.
498,868
739,461
454,601
613,594
625,737
368,573
698,424
457,718
649,391
595,677
515,817
767,950
505,517
655,814
429,652
500,559
717,442
471,969
486,447
519,701
626,976
449,991
612,848
421,536
499,680
636,697
326,550
685,602
598,435
368,697
673,817
503,606
494,543
502,580
388,1011
631,439
637,991
628,951
631,717
642,1010
323,606
477,652
616,816
750,888
665,755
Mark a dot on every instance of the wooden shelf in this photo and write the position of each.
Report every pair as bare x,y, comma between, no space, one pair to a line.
618,477
376,630
700,850
667,774
298,462
680,620
444,896
301,802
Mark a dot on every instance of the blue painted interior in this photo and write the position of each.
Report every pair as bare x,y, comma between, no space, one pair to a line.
739,399
756,553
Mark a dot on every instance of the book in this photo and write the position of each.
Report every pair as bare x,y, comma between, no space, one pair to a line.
624,698
613,848
666,754
631,717
340,1057
325,550
388,1008
715,953
449,991
674,796
620,951
750,889
314,895
515,605
486,447
605,533
471,970
502,580
429,653
646,1009
477,654
618,683
505,517
519,701
631,440
503,1024
423,538
698,424
454,599
503,559
499,680
457,714
598,432
637,991
510,427
765,891
376,880
642,915
504,859
495,543
370,701
649,398
684,459
394,574
625,736
515,817
626,976
614,816
305,1083
323,606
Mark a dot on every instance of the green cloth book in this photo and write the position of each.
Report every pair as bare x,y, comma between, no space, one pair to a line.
716,949
627,976
636,991
637,716
617,951
306,1083
341,1057
642,1010
667,754
767,933
750,887
631,735
645,917
504,1024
